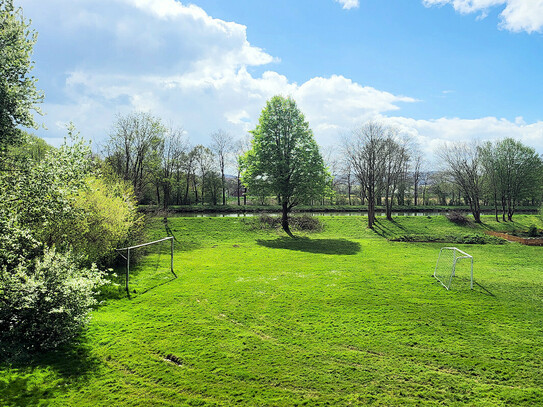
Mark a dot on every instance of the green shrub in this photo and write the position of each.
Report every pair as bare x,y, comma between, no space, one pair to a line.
16,243
45,302
533,231
107,213
45,295
306,223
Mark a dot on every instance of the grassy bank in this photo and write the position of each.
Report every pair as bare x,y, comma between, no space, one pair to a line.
340,317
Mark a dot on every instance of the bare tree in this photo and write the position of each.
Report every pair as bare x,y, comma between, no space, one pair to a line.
332,162
347,172
189,167
173,151
396,157
417,167
222,145
463,165
204,162
365,150
132,147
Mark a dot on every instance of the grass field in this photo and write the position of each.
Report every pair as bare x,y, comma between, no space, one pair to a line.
339,317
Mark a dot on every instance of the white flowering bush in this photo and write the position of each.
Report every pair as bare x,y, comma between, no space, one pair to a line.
46,302
45,295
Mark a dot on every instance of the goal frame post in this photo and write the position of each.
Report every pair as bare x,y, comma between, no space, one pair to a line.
463,255
127,257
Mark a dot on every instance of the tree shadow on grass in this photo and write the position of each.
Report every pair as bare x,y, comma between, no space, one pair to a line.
383,228
31,379
304,244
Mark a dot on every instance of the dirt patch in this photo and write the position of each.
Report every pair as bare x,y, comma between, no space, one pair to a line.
528,241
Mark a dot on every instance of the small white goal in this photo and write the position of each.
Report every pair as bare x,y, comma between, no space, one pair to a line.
127,257
446,265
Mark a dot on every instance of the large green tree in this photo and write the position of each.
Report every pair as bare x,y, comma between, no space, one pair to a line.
18,93
284,159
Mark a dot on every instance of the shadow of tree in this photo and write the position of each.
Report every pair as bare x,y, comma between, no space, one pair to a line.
304,244
31,379
387,228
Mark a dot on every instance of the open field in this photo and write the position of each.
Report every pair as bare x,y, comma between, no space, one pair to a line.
339,317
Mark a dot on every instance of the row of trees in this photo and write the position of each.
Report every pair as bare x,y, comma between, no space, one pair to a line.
375,166
164,168
503,173
380,160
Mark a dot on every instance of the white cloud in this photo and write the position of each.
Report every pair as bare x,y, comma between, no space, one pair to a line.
431,134
180,64
194,71
517,15
349,4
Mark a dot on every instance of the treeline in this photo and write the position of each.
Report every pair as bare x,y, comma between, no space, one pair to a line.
164,169
503,174
375,166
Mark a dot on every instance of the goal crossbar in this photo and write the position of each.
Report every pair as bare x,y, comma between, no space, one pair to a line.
146,244
464,255
127,257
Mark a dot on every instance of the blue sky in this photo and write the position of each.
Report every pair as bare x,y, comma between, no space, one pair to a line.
439,70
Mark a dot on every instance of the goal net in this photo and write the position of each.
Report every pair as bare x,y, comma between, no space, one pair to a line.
447,263
128,254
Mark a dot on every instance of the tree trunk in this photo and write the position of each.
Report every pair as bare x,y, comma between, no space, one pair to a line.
424,195
166,193
371,211
510,210
349,189
239,188
203,191
496,207
195,188
284,219
475,209
223,188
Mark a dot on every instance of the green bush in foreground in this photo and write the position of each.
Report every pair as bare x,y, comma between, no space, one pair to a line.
45,295
45,302
73,217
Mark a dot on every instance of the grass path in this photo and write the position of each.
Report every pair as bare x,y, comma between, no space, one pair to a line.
340,317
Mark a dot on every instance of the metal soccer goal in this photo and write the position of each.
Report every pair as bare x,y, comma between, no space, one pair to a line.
127,257
446,265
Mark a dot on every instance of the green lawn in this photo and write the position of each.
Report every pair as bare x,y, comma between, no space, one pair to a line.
339,317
